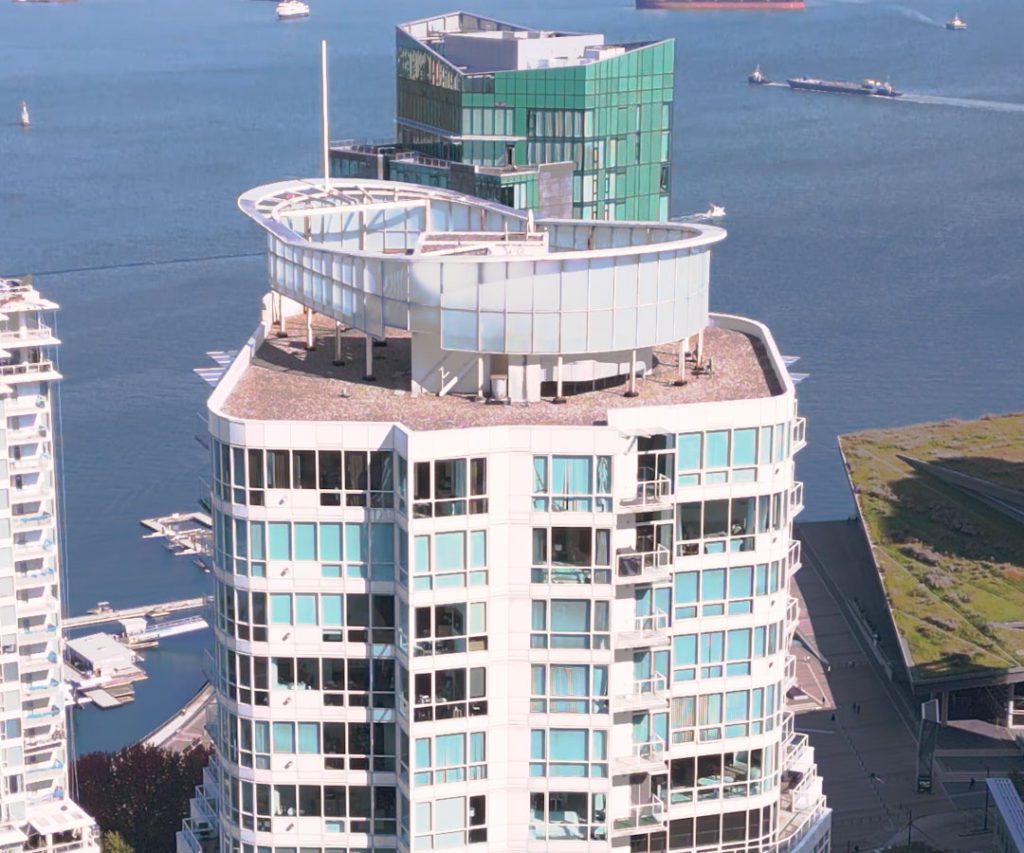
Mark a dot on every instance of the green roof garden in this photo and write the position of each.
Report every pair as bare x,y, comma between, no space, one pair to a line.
943,506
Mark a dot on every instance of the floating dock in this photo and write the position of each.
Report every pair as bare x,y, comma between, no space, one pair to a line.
187,533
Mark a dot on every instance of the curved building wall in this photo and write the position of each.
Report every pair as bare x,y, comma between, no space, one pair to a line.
513,638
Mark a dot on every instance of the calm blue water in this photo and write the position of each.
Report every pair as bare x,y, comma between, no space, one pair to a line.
881,241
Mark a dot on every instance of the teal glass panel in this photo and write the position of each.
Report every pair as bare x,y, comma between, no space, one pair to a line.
382,543
713,583
284,737
449,551
330,542
305,609
421,555
305,541
688,452
744,447
331,609
355,543
567,744
309,738
685,586
257,548
280,540
280,609
741,581
717,451
739,644
684,649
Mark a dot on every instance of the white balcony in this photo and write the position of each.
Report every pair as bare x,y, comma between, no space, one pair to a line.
794,556
28,371
31,493
27,435
642,817
31,580
647,693
644,566
650,495
37,633
30,464
646,757
796,499
31,521
28,403
792,610
38,550
799,434
651,630
40,336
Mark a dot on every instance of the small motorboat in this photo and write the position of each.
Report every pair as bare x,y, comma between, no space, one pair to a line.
714,211
756,78
24,119
290,9
956,23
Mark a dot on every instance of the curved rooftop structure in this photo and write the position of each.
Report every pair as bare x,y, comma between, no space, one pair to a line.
468,278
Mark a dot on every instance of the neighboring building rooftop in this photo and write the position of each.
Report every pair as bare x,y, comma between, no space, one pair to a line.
284,382
477,45
951,562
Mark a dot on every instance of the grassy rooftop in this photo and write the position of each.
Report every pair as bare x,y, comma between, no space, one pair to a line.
952,567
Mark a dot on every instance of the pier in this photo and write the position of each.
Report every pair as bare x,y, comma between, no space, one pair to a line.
151,611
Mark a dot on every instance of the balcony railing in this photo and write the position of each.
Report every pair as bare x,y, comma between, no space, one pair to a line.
642,816
26,336
647,692
794,556
799,434
27,435
796,499
648,756
640,566
26,368
29,403
649,630
650,493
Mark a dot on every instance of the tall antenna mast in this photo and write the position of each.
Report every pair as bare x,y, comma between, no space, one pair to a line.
325,127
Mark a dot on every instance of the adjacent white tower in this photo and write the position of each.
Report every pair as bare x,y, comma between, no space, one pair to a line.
35,812
504,542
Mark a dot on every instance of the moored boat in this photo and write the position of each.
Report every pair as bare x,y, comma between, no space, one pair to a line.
289,9
956,23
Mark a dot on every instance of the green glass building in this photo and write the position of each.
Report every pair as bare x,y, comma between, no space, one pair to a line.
561,122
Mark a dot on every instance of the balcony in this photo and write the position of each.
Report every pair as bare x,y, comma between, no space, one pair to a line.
31,521
647,694
644,566
34,579
31,493
646,757
792,610
642,817
30,464
794,556
28,403
36,633
650,630
650,495
28,371
796,499
40,336
799,434
27,435
24,551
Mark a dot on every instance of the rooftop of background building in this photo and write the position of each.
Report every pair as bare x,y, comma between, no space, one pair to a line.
942,505
479,45
285,382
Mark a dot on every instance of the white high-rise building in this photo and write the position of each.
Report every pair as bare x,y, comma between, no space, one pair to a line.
494,569
35,811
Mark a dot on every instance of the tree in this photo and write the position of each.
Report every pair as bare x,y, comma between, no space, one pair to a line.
140,793
113,842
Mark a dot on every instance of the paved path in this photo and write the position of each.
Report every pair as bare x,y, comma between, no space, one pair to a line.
868,758
188,726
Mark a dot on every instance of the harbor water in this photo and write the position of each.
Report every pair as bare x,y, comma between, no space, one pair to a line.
880,239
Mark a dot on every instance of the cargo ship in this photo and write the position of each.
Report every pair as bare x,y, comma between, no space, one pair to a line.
719,4
873,88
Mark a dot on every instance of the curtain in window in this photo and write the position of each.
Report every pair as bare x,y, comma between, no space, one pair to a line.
261,736
540,474
449,750
450,814
477,747
256,544
711,647
570,616
570,475
736,706
600,681
568,680
537,750
604,475
240,538
641,728
284,737
538,615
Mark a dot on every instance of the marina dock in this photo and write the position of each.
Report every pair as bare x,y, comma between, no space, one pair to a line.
151,611
187,533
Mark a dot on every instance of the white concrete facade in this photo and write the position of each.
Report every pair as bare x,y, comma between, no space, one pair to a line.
35,812
511,636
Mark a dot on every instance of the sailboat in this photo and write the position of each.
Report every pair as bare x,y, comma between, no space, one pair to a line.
24,119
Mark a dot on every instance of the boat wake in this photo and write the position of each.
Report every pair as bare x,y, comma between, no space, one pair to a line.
915,15
964,103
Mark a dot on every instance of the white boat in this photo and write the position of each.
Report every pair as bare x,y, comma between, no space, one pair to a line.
715,211
24,119
956,23
288,9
